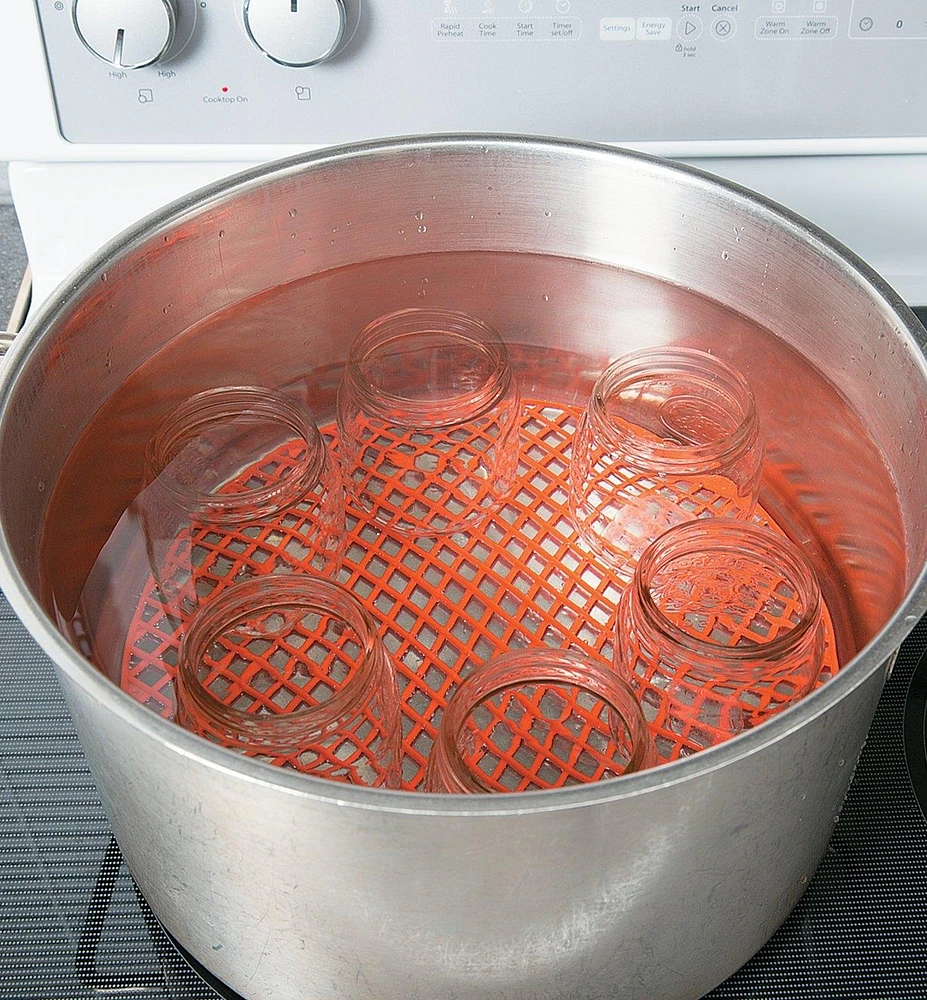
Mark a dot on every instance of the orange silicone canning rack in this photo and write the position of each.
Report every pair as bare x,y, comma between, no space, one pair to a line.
522,577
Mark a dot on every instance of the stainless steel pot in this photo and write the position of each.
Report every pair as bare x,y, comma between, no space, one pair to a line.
658,885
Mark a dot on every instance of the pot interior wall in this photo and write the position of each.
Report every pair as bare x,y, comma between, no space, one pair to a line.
576,255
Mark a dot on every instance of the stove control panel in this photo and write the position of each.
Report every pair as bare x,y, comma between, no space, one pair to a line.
319,71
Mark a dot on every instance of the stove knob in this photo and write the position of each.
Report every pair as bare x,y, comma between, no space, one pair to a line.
126,33
296,32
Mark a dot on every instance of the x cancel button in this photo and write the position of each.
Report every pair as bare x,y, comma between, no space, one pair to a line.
723,27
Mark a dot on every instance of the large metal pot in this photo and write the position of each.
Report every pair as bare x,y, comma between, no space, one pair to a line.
657,885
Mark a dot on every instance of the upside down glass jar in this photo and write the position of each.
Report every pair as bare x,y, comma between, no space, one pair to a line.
239,484
289,668
721,627
668,435
538,718
428,421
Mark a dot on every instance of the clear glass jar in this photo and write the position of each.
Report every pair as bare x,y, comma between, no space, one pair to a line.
290,667
721,627
428,420
239,484
668,435
538,718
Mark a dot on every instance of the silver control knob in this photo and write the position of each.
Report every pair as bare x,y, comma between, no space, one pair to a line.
296,32
129,34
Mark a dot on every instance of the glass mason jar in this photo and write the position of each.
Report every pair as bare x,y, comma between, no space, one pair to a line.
721,626
538,718
668,435
428,421
239,484
290,667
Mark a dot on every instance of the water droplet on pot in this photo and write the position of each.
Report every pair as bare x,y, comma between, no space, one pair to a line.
546,298
423,229
293,213
419,215
221,233
724,255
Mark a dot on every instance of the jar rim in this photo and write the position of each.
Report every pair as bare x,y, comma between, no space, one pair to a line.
224,402
280,591
533,665
705,535
659,455
388,330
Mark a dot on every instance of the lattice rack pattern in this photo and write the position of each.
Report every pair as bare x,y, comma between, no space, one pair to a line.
521,578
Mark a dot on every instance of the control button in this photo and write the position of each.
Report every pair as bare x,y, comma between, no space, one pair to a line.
303,94
616,29
819,6
444,27
563,6
145,95
526,6
129,34
865,24
778,6
689,28
774,27
723,28
655,29
296,32
805,29
564,29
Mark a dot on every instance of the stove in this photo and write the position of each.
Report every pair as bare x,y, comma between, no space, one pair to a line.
795,98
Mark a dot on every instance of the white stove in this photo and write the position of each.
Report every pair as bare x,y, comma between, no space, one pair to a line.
113,108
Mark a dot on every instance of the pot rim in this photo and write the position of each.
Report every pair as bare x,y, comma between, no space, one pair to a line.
878,653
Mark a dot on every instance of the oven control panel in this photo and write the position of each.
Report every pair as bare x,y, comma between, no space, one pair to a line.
321,71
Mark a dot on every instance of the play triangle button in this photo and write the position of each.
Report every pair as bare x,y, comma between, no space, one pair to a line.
690,27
